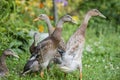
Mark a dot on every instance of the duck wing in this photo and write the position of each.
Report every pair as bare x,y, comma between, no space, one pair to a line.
30,64
42,48
74,44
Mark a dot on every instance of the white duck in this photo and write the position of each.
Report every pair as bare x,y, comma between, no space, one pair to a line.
72,58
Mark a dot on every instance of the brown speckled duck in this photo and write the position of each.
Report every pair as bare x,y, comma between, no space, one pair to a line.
3,67
72,59
47,48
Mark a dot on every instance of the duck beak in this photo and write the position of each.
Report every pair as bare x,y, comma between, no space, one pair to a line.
15,55
101,15
74,20
36,19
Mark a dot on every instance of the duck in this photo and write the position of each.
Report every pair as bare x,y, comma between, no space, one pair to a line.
62,44
51,29
47,48
72,58
37,37
42,35
4,71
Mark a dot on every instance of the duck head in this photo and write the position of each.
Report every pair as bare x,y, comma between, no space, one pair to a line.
41,17
9,52
68,18
95,12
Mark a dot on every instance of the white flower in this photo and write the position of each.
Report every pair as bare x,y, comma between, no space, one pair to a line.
88,48
103,60
85,65
106,67
117,67
111,66
97,43
88,66
96,60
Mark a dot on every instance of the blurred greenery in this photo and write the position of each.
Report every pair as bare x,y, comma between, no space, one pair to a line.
101,55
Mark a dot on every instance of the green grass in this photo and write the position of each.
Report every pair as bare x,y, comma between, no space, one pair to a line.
100,59
101,56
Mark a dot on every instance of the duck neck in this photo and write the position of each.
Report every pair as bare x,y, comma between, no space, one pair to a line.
35,42
58,31
2,59
83,27
50,28
60,24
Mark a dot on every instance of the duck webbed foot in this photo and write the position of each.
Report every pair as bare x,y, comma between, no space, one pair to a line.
80,76
42,74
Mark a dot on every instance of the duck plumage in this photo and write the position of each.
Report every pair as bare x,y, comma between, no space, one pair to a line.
31,65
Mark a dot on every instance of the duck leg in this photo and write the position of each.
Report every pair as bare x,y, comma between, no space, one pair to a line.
65,74
80,75
42,74
48,68
80,69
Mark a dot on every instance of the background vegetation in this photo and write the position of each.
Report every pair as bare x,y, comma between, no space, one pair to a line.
102,51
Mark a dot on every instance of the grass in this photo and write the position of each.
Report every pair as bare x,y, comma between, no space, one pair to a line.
101,56
100,59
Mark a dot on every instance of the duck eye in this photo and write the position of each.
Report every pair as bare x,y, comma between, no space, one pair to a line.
41,15
96,10
68,16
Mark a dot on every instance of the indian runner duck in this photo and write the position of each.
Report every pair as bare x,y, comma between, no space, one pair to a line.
72,58
62,45
3,67
47,48
44,17
38,36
